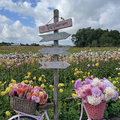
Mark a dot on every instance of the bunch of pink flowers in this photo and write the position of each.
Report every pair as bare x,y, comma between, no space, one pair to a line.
34,94
94,90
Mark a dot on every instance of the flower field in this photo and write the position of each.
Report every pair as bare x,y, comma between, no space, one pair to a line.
21,65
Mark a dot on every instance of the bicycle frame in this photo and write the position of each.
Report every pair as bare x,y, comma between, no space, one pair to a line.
40,117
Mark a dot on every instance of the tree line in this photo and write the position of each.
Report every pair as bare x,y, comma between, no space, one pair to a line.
13,44
88,37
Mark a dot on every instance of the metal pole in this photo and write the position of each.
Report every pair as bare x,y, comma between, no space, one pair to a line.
56,71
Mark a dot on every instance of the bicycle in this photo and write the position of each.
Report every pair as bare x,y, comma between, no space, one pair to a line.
24,116
82,106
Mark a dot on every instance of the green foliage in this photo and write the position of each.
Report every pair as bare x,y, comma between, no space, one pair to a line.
114,109
88,37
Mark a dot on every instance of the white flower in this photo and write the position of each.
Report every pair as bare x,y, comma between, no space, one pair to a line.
96,82
37,99
109,93
94,101
108,83
33,97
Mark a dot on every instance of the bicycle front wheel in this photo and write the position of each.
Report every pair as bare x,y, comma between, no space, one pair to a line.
24,118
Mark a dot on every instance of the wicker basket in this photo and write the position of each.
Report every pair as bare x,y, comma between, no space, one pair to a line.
95,112
23,105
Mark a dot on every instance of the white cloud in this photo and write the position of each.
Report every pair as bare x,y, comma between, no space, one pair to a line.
16,32
4,19
84,13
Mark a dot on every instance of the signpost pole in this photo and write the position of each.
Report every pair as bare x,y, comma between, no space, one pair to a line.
55,51
56,71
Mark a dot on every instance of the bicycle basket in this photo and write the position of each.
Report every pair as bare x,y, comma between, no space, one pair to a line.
95,112
23,105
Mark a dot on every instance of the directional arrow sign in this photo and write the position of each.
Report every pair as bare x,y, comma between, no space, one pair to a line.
55,36
54,51
54,65
1,55
56,26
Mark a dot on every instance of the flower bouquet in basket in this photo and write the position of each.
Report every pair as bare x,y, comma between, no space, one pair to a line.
94,93
25,98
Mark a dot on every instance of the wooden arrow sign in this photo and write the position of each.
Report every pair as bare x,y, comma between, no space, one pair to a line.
56,26
54,65
54,51
1,55
55,36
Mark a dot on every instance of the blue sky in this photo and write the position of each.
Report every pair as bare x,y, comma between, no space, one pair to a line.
26,21
20,19
33,2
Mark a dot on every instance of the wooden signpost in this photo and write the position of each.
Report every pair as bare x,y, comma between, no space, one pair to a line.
56,36
55,51
54,65
55,26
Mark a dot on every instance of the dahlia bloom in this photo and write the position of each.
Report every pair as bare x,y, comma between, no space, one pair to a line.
93,100
96,91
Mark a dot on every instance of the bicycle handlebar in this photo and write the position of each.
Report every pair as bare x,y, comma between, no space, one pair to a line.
72,98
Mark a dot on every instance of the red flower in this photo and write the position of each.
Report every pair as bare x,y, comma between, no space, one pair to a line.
21,95
45,96
101,88
88,91
19,90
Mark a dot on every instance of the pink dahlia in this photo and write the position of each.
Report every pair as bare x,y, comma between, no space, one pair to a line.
101,88
88,91
96,92
11,92
37,99
77,84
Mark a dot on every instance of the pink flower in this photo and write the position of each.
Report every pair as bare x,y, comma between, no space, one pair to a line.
19,85
88,91
40,89
25,86
89,80
29,97
82,92
77,84
116,96
45,96
21,95
18,64
8,66
11,92
88,65
37,99
33,97
101,59
15,88
36,91
101,88
96,91
105,59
